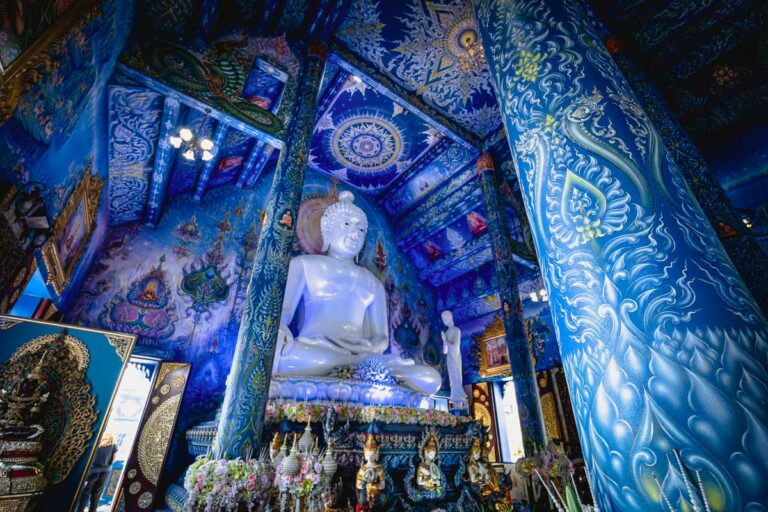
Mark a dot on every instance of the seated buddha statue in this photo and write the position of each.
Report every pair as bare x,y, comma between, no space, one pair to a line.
345,307
428,473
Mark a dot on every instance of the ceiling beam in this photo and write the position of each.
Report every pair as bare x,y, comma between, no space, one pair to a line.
207,168
162,165
436,213
156,85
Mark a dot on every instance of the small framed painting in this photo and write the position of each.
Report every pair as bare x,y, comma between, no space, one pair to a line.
494,357
72,230
265,85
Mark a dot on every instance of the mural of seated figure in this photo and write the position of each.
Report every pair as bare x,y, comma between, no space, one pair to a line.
345,308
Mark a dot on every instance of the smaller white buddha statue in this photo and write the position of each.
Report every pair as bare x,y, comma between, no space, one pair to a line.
345,307
452,350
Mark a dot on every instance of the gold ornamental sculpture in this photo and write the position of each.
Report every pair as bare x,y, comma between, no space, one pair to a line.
47,412
371,479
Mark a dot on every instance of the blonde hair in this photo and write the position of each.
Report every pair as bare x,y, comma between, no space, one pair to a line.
107,439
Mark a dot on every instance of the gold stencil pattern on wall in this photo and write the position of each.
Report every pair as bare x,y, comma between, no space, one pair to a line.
157,431
71,411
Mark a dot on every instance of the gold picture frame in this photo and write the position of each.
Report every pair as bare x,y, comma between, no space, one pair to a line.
492,345
73,230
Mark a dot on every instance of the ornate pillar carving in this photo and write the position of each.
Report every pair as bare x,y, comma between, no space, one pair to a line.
743,249
526,390
242,414
664,349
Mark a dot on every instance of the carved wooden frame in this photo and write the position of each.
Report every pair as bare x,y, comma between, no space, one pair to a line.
88,193
491,333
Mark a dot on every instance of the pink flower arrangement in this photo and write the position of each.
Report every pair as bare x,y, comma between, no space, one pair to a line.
218,484
300,412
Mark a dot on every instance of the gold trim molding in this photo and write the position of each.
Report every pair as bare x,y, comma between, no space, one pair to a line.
88,193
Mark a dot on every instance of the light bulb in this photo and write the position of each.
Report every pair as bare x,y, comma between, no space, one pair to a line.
207,155
189,154
206,144
175,142
534,297
185,134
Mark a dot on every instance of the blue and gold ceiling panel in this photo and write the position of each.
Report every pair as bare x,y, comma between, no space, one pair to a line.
450,159
431,48
364,137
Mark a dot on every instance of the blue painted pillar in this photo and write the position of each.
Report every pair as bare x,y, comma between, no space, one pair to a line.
739,241
242,413
523,373
663,346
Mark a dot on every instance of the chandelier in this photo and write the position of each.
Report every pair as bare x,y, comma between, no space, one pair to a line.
540,296
192,144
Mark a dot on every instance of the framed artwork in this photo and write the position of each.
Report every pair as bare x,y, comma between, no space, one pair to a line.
494,357
83,369
72,230
265,85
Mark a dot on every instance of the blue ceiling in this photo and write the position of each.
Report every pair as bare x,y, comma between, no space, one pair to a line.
426,47
402,110
708,58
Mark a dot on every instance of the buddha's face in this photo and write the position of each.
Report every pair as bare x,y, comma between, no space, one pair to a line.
347,235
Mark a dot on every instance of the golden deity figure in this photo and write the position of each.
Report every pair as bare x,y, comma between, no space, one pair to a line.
21,405
370,480
428,473
480,471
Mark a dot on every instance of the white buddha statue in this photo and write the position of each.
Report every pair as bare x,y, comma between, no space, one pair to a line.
452,350
345,307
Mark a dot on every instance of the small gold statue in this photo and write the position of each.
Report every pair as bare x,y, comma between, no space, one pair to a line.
480,471
22,404
428,474
370,477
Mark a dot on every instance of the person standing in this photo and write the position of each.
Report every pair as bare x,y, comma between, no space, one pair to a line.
98,475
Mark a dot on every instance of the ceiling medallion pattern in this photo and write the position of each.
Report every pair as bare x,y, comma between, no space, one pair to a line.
367,144
431,48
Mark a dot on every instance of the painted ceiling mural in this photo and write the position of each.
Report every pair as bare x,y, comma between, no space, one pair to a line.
430,48
364,137
709,59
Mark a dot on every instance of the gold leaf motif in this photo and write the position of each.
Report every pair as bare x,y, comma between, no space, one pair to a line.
167,368
122,344
156,434
65,438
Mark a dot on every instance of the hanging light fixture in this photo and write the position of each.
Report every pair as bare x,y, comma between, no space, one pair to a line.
187,140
